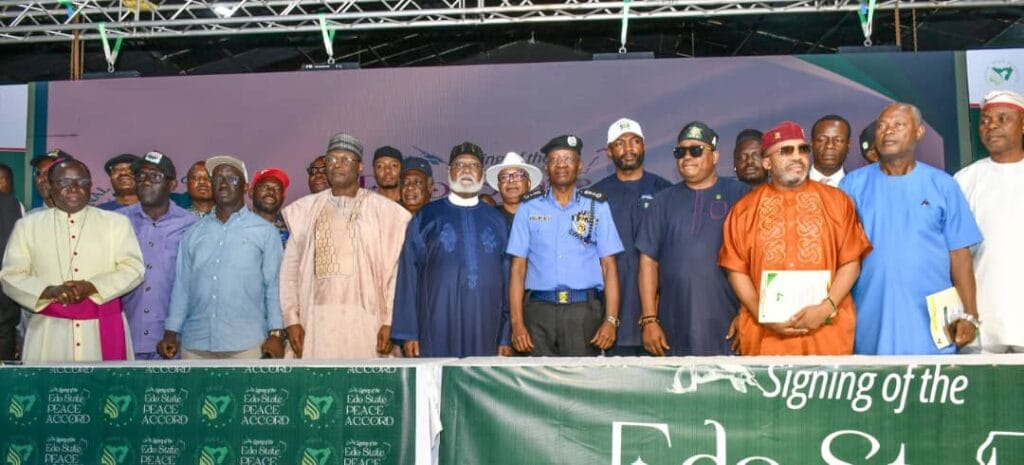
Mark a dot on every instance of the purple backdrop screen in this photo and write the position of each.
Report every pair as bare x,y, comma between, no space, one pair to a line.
286,119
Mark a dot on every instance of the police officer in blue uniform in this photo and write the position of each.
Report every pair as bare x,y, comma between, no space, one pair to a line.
563,285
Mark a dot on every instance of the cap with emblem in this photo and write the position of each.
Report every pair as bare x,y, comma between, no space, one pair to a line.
1003,98
697,130
122,158
786,130
274,173
344,141
213,162
466,148
51,155
159,160
567,141
387,151
418,164
867,138
622,126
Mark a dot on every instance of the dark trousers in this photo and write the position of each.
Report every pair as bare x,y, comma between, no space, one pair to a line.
10,315
563,330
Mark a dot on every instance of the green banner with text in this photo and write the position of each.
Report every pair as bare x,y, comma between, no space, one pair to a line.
263,415
718,414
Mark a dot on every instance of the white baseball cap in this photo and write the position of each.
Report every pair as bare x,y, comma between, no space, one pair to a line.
622,126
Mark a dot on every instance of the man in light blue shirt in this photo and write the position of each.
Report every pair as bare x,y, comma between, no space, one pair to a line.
225,298
921,228
563,245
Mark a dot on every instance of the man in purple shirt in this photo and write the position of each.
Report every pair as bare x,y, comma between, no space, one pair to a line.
159,225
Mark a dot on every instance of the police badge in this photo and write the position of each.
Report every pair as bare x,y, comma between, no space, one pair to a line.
583,225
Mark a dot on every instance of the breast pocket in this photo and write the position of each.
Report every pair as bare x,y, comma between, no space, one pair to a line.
928,214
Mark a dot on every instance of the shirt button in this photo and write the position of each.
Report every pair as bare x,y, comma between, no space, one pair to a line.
145,311
78,325
151,243
76,270
147,288
220,243
74,253
214,278
215,296
78,344
72,236
145,333
149,266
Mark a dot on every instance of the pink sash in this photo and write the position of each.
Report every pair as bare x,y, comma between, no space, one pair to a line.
112,341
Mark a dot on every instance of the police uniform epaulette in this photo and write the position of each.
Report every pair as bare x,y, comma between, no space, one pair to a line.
593,195
532,195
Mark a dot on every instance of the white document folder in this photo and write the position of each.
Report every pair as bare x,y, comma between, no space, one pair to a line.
785,292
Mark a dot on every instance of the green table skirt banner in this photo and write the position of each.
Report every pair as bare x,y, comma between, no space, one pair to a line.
736,411
171,413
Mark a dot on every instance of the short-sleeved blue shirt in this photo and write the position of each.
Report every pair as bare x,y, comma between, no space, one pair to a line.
563,246
913,221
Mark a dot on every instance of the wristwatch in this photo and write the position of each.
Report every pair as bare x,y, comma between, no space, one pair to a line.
276,333
614,321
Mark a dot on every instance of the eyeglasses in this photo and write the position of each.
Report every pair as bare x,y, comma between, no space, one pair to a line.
230,179
65,183
462,165
511,177
787,150
313,170
196,179
695,151
344,160
155,176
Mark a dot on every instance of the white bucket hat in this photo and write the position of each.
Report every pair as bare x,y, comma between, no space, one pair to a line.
513,160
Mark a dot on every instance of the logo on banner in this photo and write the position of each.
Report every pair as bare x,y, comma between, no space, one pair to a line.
164,406
22,406
1001,73
366,451
66,406
265,406
262,452
688,378
115,451
159,451
217,408
214,452
319,407
20,451
317,452
119,407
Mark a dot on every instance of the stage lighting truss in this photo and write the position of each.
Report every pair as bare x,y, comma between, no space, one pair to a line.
59,20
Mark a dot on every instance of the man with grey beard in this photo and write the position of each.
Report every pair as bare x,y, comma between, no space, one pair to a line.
451,297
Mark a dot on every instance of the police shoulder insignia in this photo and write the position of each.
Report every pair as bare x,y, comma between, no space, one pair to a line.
593,195
532,195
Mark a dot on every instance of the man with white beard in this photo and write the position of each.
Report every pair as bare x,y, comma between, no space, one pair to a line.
451,297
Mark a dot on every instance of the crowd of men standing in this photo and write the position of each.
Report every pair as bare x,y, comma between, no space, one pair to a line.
632,265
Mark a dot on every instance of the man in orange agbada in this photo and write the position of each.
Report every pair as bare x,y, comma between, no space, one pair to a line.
793,223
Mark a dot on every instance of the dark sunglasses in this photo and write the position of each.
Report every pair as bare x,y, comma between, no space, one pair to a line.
695,151
805,149
155,176
316,170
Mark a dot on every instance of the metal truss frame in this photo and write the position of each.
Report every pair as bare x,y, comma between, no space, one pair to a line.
27,21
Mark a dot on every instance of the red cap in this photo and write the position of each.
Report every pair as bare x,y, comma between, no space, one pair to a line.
786,130
275,173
